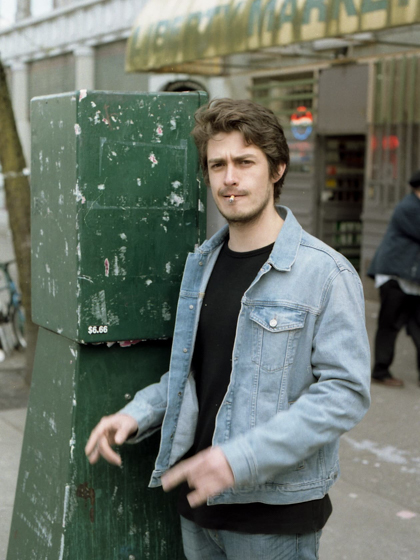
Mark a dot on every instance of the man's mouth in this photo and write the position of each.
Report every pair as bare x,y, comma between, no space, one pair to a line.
232,197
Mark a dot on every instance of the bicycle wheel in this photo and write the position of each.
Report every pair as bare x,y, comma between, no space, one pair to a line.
18,323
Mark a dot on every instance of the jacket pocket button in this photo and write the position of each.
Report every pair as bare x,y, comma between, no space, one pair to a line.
185,350
273,323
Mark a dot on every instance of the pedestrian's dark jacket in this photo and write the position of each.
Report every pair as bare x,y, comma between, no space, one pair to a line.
399,252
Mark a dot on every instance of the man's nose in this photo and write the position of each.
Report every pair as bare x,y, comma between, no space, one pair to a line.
231,177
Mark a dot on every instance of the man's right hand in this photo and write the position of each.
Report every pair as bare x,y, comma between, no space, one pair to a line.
111,430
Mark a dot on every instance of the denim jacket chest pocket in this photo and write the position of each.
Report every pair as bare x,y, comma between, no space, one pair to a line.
275,332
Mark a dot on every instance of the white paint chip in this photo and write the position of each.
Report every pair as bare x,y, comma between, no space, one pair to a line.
82,94
77,129
176,199
166,314
78,194
152,159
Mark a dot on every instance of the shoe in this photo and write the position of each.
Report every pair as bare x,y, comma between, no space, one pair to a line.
388,381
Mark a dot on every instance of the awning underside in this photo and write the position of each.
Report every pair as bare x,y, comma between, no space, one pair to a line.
193,35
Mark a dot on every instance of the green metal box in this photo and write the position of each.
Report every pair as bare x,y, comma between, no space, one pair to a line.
66,509
117,203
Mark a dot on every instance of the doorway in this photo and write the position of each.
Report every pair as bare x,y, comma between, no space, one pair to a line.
340,200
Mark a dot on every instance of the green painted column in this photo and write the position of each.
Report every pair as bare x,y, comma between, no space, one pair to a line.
118,202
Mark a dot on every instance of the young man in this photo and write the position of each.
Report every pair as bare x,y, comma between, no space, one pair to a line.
270,361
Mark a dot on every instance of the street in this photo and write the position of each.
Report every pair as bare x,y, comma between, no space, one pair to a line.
376,502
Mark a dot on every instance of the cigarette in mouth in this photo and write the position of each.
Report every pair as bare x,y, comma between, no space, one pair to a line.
232,198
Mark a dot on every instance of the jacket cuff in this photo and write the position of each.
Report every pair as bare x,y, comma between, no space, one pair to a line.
242,461
144,421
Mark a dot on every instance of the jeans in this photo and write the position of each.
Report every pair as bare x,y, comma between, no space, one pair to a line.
397,310
208,544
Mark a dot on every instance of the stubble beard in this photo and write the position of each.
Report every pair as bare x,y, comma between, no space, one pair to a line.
247,218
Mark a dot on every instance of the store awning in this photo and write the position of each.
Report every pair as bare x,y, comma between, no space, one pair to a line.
193,35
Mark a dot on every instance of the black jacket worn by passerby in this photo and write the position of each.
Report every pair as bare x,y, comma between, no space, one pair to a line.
399,252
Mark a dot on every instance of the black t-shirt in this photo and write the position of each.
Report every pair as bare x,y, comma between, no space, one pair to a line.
232,275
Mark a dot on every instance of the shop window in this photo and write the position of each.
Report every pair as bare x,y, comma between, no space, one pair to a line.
51,75
394,143
292,99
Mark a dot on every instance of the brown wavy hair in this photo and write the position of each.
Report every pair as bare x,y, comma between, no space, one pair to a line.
258,125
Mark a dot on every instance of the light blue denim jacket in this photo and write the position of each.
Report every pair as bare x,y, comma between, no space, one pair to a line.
300,376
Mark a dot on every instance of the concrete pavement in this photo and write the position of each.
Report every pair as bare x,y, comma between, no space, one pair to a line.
377,500
13,401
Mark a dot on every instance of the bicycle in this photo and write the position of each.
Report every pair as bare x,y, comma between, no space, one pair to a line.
12,315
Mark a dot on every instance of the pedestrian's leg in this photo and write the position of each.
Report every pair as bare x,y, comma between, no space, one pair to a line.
243,546
200,544
390,321
413,327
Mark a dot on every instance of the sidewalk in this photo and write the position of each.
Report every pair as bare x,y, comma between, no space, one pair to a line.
13,401
377,500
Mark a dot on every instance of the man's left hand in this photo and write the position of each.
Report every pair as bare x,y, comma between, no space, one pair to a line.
206,473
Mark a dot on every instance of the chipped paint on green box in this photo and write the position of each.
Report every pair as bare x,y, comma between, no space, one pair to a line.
117,203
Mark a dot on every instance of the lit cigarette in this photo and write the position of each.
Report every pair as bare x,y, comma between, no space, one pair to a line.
231,199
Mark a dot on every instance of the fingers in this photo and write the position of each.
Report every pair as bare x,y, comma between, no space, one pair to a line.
197,498
111,430
93,440
107,452
207,473
176,475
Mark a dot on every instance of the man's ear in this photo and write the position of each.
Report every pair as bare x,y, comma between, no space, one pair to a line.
280,170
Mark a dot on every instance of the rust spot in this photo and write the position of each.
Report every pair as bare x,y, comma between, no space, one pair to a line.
88,494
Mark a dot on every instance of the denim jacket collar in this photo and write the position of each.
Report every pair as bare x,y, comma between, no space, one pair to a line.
285,248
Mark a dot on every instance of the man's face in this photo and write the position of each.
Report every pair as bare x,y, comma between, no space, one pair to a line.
239,170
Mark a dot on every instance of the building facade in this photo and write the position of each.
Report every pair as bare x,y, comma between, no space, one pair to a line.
348,104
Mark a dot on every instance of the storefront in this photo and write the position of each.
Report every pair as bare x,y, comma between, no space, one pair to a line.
341,75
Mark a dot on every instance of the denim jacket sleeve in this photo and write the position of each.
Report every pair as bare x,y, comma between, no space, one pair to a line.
148,408
333,404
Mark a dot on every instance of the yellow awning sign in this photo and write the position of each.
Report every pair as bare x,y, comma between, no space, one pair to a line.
192,35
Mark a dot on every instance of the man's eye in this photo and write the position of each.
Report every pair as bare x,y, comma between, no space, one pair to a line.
215,165
247,162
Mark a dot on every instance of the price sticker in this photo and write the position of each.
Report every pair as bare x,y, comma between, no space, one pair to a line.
102,329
